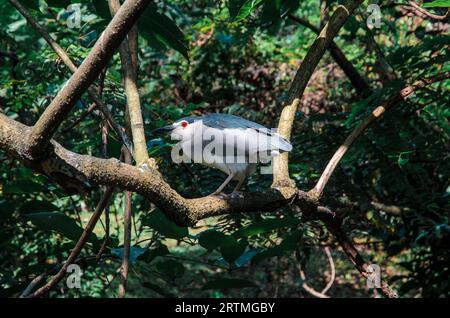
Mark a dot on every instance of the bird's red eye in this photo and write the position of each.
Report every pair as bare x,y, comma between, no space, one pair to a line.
184,124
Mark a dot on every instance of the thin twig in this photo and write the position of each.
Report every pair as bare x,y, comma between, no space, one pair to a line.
308,288
311,290
417,10
104,133
374,115
126,235
40,278
79,246
335,228
327,251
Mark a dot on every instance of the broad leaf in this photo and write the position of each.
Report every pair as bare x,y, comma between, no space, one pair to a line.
36,206
289,6
150,255
160,30
231,248
239,10
60,223
158,221
437,4
171,268
32,4
289,244
135,252
102,9
23,186
6,210
58,3
265,226
211,239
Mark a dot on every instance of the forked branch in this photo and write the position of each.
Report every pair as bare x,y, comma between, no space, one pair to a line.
84,76
79,246
301,79
374,115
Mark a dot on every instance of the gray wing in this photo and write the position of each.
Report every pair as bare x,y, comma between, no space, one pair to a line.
223,121
226,121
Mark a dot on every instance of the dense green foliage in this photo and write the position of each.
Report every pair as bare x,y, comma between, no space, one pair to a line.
239,57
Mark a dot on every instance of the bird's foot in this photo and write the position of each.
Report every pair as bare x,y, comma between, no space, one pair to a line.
237,194
216,194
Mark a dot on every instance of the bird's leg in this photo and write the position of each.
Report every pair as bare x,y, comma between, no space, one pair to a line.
242,179
223,185
239,184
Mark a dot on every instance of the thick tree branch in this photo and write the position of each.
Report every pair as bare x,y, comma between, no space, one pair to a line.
131,91
301,79
374,115
281,162
79,173
358,82
86,74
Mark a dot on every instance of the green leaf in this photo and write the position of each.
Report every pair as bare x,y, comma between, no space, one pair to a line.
239,10
6,210
158,221
227,283
158,290
403,159
60,223
23,187
231,248
158,28
246,257
265,226
36,206
271,11
102,9
43,7
289,6
11,291
289,244
32,4
135,252
278,250
114,147
58,3
437,4
171,268
211,239
233,8
150,255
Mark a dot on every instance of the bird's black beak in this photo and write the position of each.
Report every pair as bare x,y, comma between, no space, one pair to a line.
163,130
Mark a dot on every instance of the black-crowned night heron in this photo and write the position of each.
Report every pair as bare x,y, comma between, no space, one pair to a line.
229,143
